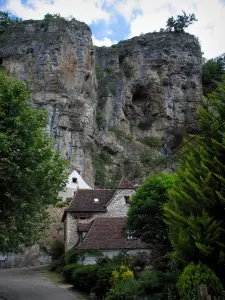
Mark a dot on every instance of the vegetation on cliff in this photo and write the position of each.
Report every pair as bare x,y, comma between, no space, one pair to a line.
31,171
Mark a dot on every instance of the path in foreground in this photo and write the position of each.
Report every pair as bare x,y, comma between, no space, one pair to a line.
31,284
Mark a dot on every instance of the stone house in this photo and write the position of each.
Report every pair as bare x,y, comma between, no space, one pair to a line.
74,182
99,214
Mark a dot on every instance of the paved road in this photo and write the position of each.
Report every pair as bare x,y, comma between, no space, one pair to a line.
31,284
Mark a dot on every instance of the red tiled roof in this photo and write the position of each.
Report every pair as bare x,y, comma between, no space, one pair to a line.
109,234
125,184
83,200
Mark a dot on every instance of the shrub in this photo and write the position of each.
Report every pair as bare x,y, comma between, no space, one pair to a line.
71,256
57,250
99,72
123,289
127,69
62,204
106,157
121,273
146,159
68,270
84,277
151,281
195,275
146,123
57,265
153,141
109,69
112,88
104,273
120,134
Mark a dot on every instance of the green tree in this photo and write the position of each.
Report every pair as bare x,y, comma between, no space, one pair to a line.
180,23
31,172
146,211
212,72
6,21
195,210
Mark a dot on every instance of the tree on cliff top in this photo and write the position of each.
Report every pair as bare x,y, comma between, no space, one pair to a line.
6,20
31,172
195,211
180,23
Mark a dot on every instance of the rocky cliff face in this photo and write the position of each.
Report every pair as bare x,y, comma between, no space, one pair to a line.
111,110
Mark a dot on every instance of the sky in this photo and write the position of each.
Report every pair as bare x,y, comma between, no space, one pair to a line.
114,20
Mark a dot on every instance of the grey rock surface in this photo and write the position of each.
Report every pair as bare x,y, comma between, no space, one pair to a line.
107,100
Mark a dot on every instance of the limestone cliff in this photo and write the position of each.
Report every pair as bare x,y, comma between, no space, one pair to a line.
109,108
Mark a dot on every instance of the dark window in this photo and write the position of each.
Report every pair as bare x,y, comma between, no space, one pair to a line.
127,199
74,180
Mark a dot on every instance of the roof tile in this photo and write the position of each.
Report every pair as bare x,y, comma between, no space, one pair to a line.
109,234
83,200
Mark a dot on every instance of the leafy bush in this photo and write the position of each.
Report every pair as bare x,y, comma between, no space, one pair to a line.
57,265
146,159
84,277
57,250
127,69
62,204
151,281
140,260
146,123
123,289
120,134
109,69
68,270
106,157
72,256
99,72
104,273
153,141
121,273
112,88
195,275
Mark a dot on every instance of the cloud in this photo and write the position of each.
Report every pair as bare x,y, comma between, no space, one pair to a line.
105,42
84,10
121,19
209,28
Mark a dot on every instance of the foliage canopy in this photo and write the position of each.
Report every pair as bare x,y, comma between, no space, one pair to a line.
180,23
146,210
31,171
195,210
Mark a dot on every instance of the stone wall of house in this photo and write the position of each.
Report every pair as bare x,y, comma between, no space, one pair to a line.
71,236
117,208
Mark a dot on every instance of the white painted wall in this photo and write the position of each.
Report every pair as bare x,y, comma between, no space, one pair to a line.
71,187
90,259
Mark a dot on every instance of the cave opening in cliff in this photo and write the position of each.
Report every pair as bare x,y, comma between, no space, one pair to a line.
140,94
1,60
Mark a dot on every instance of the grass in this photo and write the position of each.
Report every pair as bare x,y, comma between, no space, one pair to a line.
54,277
153,142
120,134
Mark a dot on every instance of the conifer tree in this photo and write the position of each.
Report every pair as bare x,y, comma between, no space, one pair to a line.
195,210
